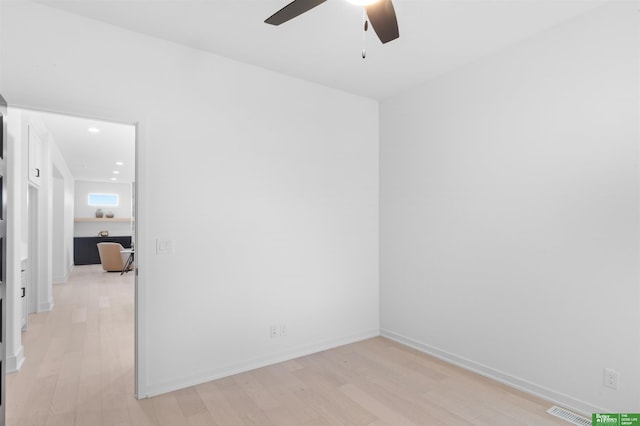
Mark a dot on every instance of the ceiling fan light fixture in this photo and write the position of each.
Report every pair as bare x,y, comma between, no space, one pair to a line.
379,13
363,2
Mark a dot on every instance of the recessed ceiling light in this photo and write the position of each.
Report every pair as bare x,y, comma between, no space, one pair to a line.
114,178
115,172
94,130
119,163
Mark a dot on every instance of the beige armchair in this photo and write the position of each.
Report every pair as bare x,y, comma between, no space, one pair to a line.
111,257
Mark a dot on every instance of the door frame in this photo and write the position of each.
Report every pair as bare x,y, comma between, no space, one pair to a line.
140,232
3,258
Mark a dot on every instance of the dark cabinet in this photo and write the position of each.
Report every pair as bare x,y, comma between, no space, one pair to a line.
85,249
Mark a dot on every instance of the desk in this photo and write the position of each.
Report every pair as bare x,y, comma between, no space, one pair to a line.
129,261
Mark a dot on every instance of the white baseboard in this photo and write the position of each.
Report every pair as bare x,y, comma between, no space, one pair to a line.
14,362
61,279
45,306
526,386
252,364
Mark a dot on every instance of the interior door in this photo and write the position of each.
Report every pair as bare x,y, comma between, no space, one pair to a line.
3,251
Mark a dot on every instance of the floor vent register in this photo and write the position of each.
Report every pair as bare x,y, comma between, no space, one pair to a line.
569,416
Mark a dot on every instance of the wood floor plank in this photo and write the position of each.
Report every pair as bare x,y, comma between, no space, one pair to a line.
116,417
330,404
256,391
246,408
34,420
202,418
63,419
289,393
190,402
168,412
221,411
90,393
79,372
141,412
372,404
88,418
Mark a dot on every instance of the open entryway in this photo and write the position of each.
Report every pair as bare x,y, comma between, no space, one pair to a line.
70,323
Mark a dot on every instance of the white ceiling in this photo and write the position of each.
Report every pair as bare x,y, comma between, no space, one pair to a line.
93,156
324,45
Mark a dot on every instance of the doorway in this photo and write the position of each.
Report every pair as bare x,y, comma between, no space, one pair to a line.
75,156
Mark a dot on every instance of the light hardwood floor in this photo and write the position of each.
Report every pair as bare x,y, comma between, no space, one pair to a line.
79,372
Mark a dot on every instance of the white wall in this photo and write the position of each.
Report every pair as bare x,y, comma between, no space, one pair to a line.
266,185
509,213
16,244
59,271
83,210
62,199
40,254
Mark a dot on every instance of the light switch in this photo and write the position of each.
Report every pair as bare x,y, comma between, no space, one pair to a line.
164,246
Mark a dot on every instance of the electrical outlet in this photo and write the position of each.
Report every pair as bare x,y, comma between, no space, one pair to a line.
611,378
283,330
274,331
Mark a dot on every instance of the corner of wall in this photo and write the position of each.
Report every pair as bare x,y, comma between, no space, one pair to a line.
14,362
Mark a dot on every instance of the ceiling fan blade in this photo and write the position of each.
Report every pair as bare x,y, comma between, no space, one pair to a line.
293,9
383,20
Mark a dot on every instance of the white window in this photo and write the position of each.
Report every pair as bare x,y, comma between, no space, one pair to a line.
104,200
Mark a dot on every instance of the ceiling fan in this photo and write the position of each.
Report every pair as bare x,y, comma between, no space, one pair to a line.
381,15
